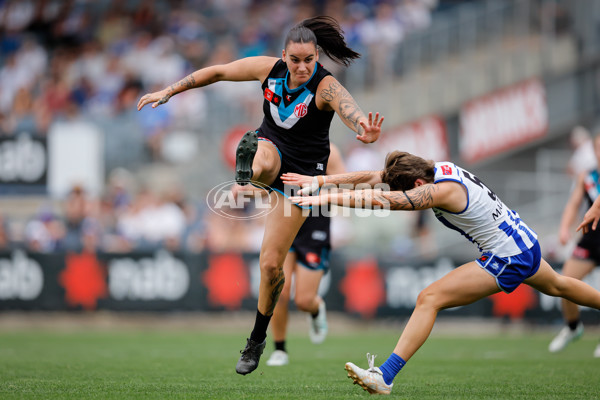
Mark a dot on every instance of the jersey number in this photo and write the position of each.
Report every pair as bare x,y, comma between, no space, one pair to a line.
479,183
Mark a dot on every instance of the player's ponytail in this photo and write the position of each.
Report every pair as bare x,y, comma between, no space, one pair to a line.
326,33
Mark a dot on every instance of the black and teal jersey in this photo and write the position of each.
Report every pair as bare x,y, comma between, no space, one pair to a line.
292,120
591,183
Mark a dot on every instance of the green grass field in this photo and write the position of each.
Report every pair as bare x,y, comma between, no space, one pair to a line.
126,364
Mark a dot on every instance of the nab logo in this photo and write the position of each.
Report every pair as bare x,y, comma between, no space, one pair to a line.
300,110
446,170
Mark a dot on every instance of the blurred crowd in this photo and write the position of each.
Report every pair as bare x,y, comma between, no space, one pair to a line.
70,60
62,59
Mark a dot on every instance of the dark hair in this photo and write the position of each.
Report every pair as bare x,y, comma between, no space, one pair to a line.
326,33
402,169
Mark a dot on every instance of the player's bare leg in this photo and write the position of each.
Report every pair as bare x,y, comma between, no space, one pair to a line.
573,328
280,316
281,227
464,285
308,300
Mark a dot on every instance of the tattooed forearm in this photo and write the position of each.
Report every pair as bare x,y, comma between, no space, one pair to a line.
355,178
418,198
277,284
351,112
186,83
348,110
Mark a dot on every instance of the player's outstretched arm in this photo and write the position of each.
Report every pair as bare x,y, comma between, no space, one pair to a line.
592,216
571,210
337,98
245,69
311,184
449,195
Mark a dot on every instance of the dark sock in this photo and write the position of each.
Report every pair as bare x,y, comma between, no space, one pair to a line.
315,315
573,324
259,333
280,346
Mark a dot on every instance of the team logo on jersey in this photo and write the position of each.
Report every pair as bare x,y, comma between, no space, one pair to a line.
446,170
300,110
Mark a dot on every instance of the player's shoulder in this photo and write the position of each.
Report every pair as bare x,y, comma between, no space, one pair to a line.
446,171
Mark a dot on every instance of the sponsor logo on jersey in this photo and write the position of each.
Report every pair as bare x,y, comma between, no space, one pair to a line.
301,110
271,97
320,166
446,170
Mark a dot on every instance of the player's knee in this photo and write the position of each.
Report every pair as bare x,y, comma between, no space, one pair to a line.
303,303
427,298
559,286
270,267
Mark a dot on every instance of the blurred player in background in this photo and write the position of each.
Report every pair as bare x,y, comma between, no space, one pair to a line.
300,99
586,254
308,262
511,254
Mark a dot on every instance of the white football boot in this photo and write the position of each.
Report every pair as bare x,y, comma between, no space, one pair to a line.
564,337
278,358
318,326
371,379
597,351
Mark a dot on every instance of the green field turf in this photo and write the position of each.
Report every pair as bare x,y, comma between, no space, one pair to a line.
191,365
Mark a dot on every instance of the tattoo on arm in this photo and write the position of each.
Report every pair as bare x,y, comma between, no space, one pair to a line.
348,108
277,284
351,112
351,177
418,198
331,92
186,83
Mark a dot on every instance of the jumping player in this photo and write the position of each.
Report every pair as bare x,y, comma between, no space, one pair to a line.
510,250
308,261
300,99
586,254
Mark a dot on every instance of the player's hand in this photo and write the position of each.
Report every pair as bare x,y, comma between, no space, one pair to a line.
564,235
591,216
156,98
309,200
372,129
309,184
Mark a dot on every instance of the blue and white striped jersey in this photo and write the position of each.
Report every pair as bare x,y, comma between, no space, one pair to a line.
485,221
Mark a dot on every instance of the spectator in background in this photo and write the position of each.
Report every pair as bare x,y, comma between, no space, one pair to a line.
76,209
5,239
415,15
583,158
44,233
380,36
